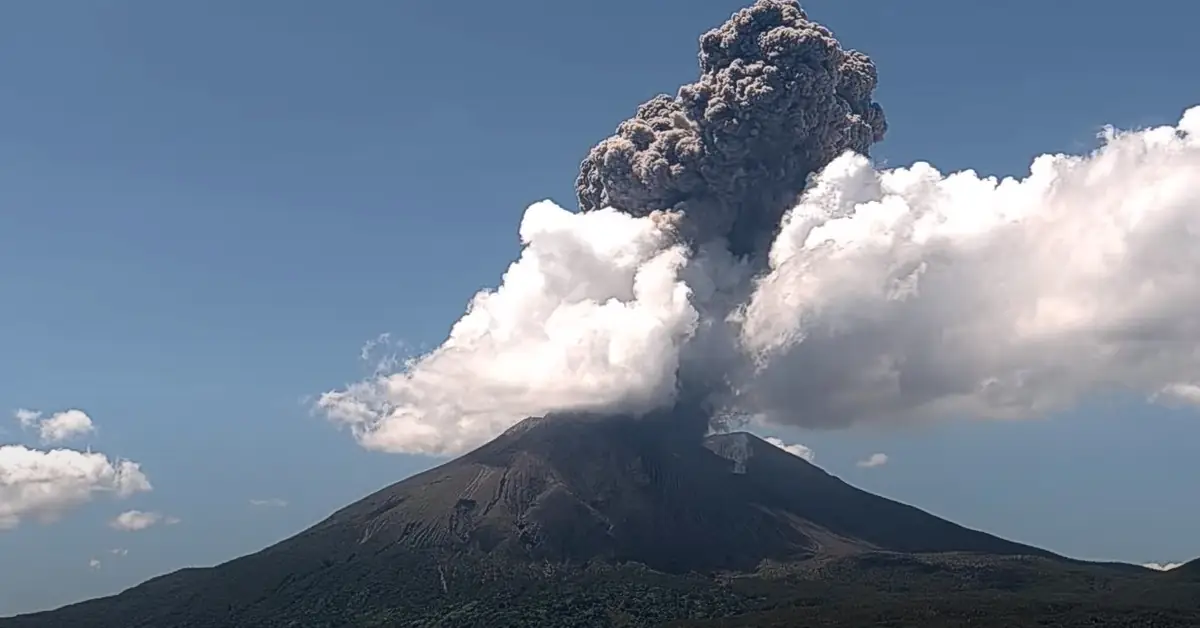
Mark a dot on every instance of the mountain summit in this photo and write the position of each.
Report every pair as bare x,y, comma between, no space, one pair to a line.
581,488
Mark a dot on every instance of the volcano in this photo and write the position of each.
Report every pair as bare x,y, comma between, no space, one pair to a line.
577,489
597,513
1187,571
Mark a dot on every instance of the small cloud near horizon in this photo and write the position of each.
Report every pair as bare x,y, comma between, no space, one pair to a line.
875,460
1162,566
796,449
136,520
273,502
59,427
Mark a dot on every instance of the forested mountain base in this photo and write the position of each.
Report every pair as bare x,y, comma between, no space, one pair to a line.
866,590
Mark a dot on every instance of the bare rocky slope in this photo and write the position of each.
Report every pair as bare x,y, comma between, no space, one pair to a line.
580,489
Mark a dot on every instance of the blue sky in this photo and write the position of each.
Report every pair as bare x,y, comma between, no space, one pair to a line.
206,210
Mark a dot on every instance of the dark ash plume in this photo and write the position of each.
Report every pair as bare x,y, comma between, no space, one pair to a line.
641,324
777,100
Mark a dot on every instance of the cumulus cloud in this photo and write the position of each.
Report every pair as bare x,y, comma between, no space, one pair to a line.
94,564
273,502
65,426
1162,566
45,484
795,449
136,520
59,427
872,461
590,317
907,293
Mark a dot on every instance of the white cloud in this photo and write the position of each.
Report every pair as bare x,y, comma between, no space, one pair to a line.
890,295
795,449
94,564
589,318
872,461
65,426
904,294
384,355
135,520
26,417
118,551
59,427
1162,566
273,502
368,349
45,484
1178,394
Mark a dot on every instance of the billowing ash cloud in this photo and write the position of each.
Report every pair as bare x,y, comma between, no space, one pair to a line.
777,99
877,295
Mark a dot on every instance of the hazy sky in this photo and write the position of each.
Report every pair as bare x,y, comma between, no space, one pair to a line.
209,208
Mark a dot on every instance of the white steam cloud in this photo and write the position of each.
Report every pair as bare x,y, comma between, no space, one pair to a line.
591,317
907,293
889,295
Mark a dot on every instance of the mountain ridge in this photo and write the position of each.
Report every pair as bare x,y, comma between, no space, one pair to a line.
572,488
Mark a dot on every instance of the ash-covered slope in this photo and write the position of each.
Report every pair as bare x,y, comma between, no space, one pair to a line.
1187,571
556,490
576,489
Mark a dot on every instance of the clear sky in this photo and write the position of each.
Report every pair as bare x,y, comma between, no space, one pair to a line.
206,209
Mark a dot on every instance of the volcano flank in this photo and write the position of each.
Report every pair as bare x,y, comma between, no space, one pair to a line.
590,520
580,488
625,510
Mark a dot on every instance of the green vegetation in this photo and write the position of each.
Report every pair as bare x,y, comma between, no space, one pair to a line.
866,590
